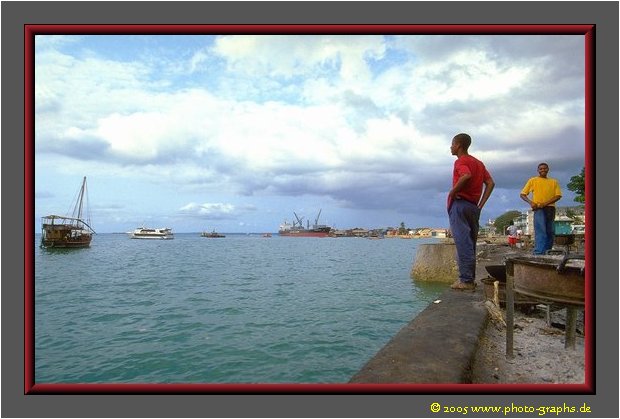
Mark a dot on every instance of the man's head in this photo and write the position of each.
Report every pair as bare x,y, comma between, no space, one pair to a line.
460,143
543,170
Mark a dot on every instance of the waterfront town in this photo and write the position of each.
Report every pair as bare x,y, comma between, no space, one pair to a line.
568,220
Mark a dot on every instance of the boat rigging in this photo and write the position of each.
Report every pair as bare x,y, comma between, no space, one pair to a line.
68,232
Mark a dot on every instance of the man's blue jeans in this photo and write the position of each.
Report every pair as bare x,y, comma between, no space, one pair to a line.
544,230
464,219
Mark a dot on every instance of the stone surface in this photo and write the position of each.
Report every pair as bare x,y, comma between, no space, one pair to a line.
454,341
435,262
437,346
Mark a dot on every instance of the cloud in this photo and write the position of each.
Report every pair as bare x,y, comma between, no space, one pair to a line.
75,144
289,56
55,41
215,211
364,121
43,194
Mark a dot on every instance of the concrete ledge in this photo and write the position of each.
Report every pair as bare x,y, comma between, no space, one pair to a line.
435,262
437,346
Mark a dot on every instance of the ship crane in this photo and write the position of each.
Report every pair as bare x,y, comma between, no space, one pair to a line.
316,222
299,220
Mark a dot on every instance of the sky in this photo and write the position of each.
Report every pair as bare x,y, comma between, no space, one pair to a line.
237,133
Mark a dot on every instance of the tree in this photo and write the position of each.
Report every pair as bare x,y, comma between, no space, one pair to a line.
503,221
402,230
577,184
570,214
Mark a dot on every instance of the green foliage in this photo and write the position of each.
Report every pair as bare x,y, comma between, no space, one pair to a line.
402,230
571,214
503,221
577,184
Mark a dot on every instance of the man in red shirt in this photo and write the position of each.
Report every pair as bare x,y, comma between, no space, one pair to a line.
471,187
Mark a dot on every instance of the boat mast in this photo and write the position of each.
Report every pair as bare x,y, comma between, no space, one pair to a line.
77,211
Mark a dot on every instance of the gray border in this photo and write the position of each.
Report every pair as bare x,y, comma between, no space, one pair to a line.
15,14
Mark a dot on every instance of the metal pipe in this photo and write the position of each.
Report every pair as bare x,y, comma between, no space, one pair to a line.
562,266
510,309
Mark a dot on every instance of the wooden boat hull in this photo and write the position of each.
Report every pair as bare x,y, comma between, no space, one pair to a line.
69,244
64,236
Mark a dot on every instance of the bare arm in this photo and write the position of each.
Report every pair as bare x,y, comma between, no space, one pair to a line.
459,185
528,200
535,205
489,184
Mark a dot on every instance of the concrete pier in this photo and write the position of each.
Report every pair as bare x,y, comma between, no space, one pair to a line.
440,344
435,262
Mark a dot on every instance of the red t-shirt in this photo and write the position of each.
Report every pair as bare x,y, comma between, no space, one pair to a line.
473,188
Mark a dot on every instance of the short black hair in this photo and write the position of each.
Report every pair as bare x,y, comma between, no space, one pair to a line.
542,164
463,139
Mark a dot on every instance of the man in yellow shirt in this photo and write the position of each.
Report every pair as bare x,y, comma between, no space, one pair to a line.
545,193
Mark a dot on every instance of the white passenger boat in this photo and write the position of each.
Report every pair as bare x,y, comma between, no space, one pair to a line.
152,233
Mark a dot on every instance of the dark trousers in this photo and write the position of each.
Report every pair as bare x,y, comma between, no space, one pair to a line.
464,223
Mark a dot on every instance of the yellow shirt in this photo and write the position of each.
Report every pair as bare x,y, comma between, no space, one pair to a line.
544,189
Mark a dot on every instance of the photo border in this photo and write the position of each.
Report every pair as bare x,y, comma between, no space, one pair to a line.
31,30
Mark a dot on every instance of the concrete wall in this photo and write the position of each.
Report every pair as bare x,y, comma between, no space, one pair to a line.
435,262
437,347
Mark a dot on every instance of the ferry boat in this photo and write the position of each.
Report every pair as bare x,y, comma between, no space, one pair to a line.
68,232
298,230
152,233
212,235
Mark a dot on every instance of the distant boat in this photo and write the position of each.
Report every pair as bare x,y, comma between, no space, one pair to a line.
298,230
212,235
68,232
267,235
152,233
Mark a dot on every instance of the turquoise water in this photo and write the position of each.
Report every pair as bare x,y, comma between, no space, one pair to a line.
240,309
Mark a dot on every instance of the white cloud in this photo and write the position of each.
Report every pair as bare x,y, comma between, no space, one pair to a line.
328,116
215,211
289,56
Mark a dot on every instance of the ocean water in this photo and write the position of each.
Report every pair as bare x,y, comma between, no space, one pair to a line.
240,309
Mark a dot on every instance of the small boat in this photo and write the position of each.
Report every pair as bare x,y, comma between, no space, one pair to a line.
152,233
212,235
267,235
68,232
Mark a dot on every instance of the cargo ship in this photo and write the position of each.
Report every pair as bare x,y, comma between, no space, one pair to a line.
297,229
